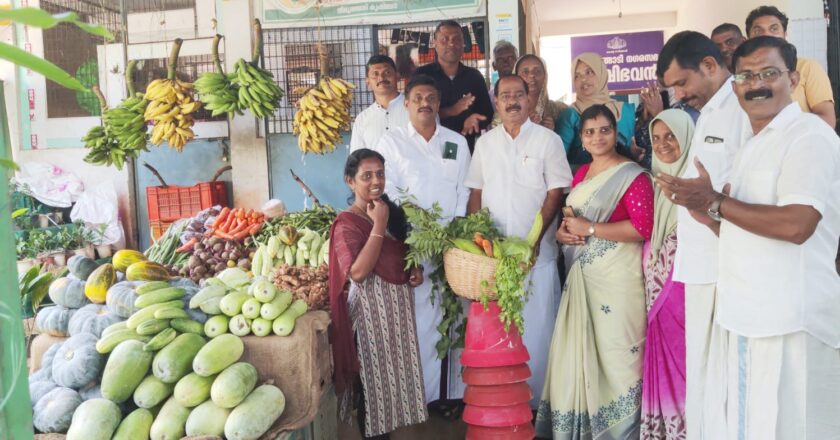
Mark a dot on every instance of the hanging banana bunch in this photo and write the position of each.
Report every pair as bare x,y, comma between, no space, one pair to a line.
257,89
215,89
171,105
323,111
123,133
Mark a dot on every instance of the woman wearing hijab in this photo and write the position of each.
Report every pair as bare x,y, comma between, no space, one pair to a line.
590,81
663,390
373,330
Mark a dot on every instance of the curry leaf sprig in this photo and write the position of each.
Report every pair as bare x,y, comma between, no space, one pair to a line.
427,238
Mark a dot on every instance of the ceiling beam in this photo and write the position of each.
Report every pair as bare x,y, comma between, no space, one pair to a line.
609,24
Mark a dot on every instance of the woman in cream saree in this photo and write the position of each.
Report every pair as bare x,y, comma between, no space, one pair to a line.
593,386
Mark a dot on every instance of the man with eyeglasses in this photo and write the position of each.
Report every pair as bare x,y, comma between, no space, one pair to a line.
693,66
727,37
465,104
813,93
519,168
426,163
778,220
388,109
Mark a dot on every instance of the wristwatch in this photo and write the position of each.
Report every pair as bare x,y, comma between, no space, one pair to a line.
591,229
714,208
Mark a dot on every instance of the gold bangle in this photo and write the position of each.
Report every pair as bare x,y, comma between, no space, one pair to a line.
376,235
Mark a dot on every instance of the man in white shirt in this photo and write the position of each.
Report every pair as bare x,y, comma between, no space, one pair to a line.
779,220
519,168
426,163
388,109
693,65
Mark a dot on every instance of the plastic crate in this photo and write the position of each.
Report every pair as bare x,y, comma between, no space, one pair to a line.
158,228
171,203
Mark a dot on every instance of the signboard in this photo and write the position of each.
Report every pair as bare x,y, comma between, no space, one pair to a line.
630,58
300,13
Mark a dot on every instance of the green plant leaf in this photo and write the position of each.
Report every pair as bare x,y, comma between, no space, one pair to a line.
39,65
9,164
19,212
39,18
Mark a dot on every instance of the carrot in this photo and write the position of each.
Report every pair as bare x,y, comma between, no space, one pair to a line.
240,213
256,228
478,239
487,246
239,236
186,247
241,225
228,222
224,235
221,217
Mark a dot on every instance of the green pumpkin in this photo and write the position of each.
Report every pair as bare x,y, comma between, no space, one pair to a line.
53,320
48,358
54,411
81,267
39,386
77,362
92,318
120,298
68,292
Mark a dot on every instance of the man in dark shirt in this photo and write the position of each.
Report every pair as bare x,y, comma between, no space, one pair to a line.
465,105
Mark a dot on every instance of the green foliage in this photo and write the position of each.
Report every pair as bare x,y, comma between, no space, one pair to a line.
34,287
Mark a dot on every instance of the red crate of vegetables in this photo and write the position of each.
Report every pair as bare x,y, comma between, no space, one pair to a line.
168,203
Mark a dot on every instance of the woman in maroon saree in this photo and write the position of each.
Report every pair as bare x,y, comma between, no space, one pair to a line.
373,328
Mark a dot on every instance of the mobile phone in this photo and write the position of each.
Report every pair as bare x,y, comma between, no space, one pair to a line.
568,211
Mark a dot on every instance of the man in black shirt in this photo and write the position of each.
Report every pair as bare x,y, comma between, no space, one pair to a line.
465,105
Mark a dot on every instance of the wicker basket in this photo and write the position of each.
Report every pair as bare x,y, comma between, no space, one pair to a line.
466,271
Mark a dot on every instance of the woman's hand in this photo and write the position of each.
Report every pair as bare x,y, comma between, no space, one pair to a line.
377,210
415,277
578,225
564,236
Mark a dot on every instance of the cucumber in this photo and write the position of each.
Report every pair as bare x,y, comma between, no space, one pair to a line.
187,326
152,327
161,340
171,313
112,328
107,344
150,286
159,296
148,313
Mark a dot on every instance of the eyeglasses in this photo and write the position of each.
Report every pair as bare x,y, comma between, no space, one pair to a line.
769,74
509,97
602,130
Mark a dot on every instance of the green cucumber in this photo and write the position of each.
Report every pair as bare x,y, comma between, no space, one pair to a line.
187,326
159,296
171,313
108,343
152,327
161,340
148,313
150,286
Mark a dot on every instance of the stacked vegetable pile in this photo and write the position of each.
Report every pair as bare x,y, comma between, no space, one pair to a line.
212,255
308,284
292,248
428,240
242,305
236,224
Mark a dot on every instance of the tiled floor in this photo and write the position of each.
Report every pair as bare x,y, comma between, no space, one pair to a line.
436,428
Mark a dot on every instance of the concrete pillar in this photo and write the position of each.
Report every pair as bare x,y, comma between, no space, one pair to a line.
248,152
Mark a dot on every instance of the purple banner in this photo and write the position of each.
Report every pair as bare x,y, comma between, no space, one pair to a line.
630,58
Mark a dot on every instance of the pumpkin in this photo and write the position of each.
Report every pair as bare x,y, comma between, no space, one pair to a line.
68,292
81,267
92,318
53,320
48,358
98,283
126,257
54,411
90,391
39,387
95,419
77,362
120,298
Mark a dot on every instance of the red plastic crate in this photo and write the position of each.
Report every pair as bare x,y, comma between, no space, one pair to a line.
158,228
171,203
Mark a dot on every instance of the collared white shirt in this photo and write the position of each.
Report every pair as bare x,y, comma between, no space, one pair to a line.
372,123
771,287
514,176
417,170
717,138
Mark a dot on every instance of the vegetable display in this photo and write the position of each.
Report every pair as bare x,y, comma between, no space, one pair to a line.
212,255
163,250
236,224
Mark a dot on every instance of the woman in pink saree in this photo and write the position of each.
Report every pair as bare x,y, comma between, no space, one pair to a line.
663,389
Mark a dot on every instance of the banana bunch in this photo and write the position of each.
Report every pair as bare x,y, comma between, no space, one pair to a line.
323,111
127,124
257,89
104,148
218,94
170,107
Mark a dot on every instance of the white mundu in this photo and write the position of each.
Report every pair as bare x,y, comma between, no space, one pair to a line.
514,176
426,173
372,123
780,301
